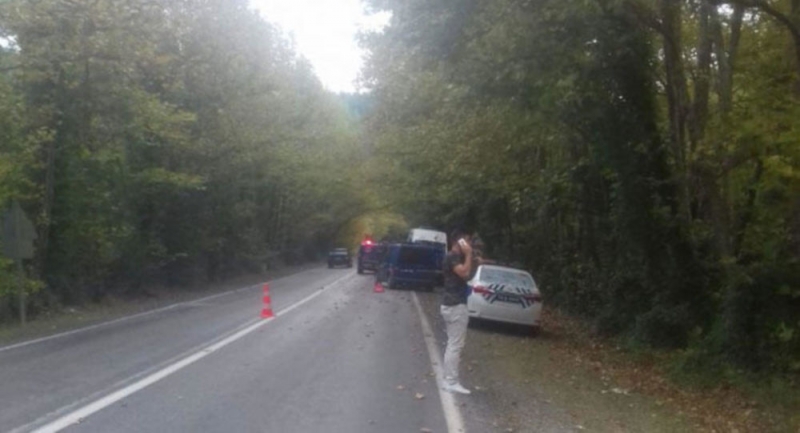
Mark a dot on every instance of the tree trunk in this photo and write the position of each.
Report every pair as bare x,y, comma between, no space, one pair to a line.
512,246
23,305
677,98
748,211
278,230
702,86
47,206
726,61
50,150
796,40
726,58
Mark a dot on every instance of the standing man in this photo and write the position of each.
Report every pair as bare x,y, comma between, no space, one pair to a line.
457,271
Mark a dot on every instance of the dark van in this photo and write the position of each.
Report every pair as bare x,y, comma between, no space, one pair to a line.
370,256
411,265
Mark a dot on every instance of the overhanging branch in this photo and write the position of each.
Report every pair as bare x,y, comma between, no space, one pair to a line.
767,9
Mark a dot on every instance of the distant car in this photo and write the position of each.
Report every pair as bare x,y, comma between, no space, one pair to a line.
370,255
411,265
339,257
505,294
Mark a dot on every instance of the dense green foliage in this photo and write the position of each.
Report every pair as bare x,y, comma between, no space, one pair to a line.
162,142
641,156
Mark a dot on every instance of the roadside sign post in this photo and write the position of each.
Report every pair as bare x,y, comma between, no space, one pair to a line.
18,236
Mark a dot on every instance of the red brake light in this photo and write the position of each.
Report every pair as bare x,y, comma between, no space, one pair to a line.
536,297
481,290
366,242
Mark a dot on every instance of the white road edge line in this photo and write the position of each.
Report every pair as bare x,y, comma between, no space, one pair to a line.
94,407
134,316
452,414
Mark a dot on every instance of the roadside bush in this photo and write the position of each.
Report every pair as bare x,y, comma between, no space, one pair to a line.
663,327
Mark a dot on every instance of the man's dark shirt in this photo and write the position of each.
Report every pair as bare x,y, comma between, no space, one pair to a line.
455,288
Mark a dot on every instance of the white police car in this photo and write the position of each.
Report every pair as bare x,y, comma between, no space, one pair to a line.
505,294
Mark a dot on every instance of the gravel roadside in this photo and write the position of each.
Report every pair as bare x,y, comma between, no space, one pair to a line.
526,384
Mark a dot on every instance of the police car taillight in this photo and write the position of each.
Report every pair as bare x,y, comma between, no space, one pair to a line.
481,290
536,297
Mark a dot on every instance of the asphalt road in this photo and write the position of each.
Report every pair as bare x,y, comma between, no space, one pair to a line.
337,358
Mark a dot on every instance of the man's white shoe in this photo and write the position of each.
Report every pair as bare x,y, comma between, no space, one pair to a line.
456,388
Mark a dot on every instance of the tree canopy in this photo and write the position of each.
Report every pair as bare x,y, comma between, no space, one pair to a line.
640,156
163,141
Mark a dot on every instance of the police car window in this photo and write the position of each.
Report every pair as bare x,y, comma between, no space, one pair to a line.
506,277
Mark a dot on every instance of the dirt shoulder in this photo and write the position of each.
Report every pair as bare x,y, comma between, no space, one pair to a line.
70,318
565,380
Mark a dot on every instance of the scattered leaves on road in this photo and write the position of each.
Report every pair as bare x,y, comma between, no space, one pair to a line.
419,396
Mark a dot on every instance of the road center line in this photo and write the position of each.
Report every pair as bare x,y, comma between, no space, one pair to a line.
94,407
138,315
452,414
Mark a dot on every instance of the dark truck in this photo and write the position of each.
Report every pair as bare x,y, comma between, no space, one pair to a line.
411,265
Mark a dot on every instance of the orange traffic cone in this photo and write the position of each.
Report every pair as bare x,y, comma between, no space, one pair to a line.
266,312
378,287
